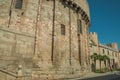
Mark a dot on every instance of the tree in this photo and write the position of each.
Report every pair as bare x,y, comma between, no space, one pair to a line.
101,58
94,57
105,58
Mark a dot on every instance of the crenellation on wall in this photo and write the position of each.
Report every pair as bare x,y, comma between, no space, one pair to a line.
109,50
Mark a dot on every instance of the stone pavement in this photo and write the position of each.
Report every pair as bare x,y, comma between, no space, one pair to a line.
92,74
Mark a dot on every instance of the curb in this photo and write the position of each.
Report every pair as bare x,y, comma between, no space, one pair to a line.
95,75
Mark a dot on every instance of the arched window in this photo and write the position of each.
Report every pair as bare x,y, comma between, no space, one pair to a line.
18,4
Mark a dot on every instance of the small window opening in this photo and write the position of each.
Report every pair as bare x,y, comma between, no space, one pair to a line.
79,27
62,29
18,4
108,52
103,51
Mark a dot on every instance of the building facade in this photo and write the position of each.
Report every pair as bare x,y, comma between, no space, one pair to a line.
119,60
47,39
110,50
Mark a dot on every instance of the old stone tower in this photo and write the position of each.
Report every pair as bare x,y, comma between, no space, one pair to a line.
48,39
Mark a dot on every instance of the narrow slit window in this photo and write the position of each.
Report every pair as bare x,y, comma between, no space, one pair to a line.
18,4
79,27
62,29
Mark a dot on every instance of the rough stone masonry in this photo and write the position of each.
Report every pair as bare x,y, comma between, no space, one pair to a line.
47,38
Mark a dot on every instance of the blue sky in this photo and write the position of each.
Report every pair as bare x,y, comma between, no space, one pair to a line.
105,20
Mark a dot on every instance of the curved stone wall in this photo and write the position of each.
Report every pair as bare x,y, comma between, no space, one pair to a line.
62,56
49,35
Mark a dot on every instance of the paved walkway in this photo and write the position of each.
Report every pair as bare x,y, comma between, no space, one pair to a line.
92,74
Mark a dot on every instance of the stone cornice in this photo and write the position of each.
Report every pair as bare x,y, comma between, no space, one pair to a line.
75,7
